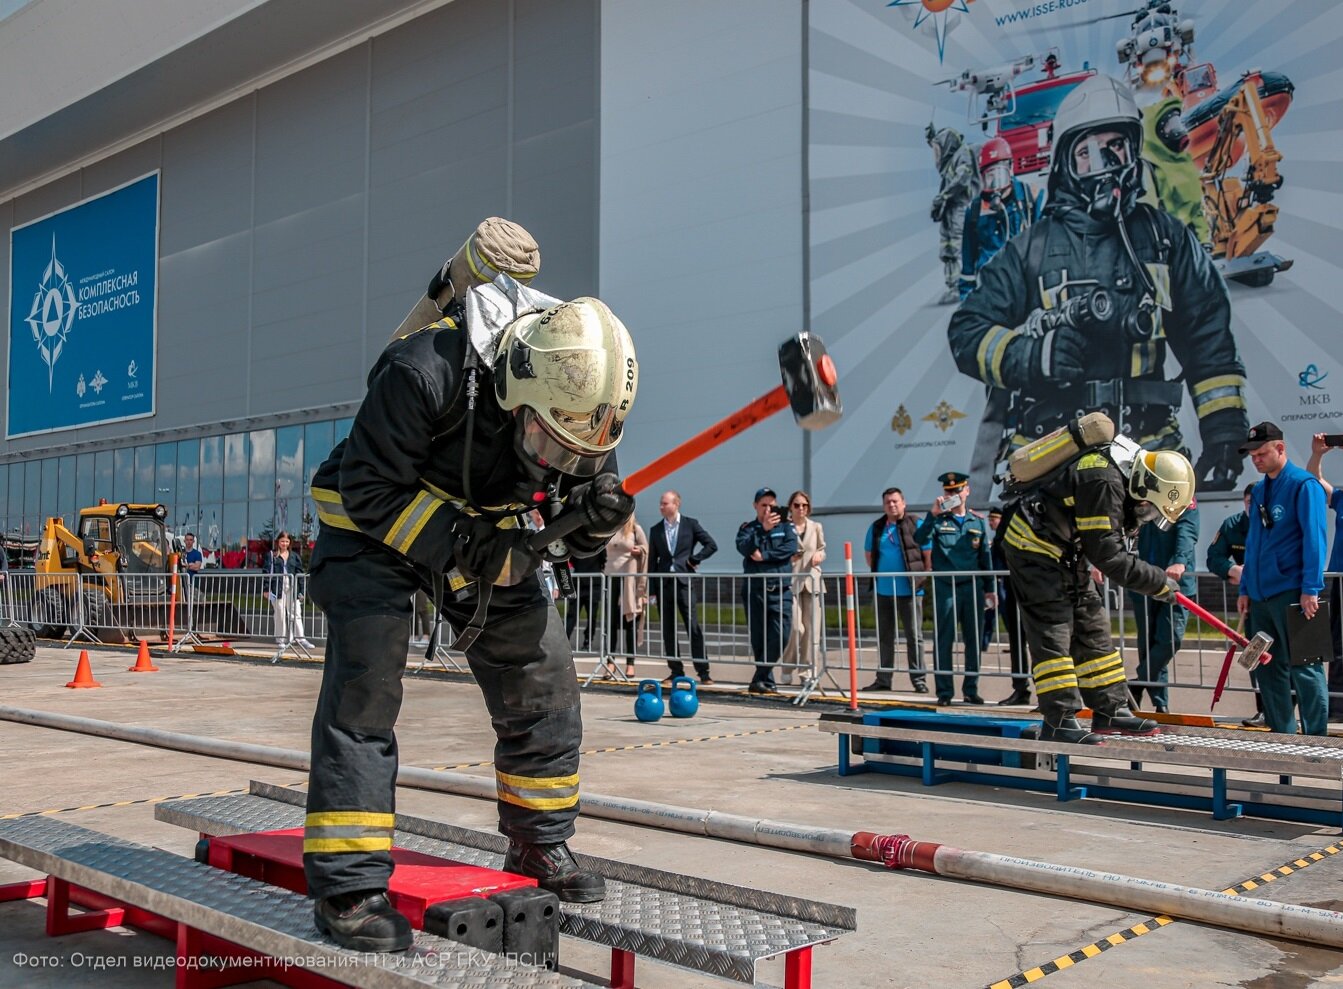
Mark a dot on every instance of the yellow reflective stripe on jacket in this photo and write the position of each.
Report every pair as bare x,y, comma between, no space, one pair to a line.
992,348
330,510
411,521
1020,536
1223,391
338,831
1090,523
537,792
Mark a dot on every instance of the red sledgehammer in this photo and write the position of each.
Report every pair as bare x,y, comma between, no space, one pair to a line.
1253,652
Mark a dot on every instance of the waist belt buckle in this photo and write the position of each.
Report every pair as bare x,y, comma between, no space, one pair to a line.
1101,394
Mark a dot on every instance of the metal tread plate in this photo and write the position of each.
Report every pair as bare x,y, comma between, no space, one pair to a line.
1210,748
250,913
696,924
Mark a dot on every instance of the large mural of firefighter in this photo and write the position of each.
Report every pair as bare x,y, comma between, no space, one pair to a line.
1121,246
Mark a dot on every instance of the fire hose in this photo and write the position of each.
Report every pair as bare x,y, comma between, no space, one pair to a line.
895,851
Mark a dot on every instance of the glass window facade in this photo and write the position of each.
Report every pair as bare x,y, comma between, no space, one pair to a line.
233,491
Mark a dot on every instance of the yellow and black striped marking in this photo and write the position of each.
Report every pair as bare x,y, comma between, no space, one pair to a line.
1154,923
119,803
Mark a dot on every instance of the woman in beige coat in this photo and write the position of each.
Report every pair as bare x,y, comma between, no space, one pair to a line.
804,644
626,556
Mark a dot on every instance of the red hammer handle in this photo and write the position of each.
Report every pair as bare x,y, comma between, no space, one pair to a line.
1212,620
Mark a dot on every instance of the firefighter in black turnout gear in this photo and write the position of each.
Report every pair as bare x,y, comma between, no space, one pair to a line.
1078,314
462,432
1079,514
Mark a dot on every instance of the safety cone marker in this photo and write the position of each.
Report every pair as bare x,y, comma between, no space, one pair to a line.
143,664
83,672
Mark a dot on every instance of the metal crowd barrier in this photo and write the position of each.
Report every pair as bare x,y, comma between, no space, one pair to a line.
688,617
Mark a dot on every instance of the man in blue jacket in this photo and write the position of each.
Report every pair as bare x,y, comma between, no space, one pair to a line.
1284,565
1161,624
767,544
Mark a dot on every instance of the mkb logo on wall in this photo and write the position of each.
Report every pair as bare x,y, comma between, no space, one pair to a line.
82,312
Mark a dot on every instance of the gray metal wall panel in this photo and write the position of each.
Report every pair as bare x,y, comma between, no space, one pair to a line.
205,255
295,217
438,148
701,234
308,264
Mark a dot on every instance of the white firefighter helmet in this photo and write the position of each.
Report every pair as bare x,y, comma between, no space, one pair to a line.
1164,480
1098,104
571,375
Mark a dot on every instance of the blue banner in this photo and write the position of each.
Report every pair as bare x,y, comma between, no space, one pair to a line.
82,312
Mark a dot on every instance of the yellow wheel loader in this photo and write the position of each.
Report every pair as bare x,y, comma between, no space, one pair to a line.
109,577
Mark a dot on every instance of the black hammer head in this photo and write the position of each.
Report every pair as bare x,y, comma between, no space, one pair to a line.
810,380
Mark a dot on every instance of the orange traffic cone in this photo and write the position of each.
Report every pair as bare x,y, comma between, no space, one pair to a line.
143,664
83,672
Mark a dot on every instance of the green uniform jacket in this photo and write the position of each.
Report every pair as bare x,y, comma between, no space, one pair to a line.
956,547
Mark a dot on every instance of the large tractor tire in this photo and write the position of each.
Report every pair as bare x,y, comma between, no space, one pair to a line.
99,616
50,614
16,645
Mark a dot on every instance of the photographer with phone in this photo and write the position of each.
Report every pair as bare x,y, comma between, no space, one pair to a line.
1285,551
767,544
1320,444
960,541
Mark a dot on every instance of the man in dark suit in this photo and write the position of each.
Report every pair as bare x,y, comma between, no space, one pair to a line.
672,549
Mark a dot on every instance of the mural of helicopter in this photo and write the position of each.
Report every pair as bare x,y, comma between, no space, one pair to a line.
1020,113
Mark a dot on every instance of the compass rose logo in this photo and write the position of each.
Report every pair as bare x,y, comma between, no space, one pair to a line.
939,12
53,313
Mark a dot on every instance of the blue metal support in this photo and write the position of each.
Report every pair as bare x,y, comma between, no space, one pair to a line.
1065,790
1221,810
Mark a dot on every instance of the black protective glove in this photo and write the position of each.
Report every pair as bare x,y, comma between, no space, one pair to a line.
497,556
1058,354
939,207
603,505
1167,593
1219,466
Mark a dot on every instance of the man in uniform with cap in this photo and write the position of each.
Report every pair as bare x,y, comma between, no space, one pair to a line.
960,541
1285,550
767,544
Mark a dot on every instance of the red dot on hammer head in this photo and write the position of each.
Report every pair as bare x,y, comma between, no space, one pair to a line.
825,367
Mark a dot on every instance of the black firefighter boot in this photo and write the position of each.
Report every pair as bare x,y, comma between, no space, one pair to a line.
1122,722
363,921
1068,729
554,868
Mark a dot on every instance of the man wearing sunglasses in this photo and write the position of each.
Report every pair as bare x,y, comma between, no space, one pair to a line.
509,402
1285,551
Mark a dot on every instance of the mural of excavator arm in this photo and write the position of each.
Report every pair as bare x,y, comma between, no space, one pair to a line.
1240,210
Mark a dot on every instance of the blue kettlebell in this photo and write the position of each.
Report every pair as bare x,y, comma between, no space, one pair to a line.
648,706
684,702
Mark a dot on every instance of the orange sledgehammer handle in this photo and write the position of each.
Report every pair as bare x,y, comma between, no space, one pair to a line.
716,435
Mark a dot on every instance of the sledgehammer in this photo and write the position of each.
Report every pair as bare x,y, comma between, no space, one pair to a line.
809,388
1253,652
